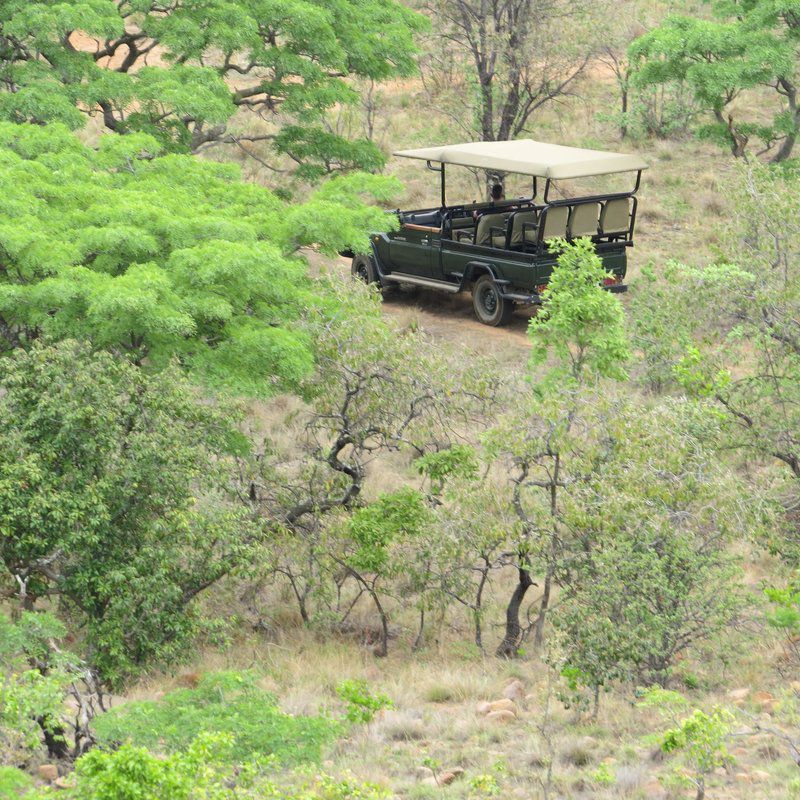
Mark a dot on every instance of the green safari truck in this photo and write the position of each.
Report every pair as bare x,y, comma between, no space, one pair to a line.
499,250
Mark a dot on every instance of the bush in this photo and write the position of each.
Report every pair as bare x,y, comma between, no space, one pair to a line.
228,703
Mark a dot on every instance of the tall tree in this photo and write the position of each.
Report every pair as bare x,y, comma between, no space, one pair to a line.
521,55
166,257
552,439
751,46
113,501
180,70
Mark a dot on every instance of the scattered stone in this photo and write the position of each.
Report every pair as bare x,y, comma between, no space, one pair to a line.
721,772
739,695
795,686
64,783
423,772
482,709
501,716
503,705
429,781
515,691
446,778
48,772
760,775
743,777
529,698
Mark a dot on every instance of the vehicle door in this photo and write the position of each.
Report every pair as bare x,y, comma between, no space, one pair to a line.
412,249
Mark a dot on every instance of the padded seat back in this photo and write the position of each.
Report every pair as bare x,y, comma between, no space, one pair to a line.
483,233
615,216
555,222
520,218
583,220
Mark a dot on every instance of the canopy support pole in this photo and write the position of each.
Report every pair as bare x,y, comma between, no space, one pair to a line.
440,170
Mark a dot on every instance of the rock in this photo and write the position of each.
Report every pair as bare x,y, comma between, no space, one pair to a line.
423,772
795,686
738,695
760,775
743,777
48,772
515,691
446,778
721,772
529,698
503,705
501,716
482,709
64,783
429,781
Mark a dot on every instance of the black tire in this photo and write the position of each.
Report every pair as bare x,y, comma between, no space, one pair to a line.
363,269
490,307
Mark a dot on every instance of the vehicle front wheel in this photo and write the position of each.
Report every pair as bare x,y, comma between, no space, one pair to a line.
490,307
363,268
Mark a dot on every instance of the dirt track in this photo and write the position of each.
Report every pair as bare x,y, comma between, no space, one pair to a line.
450,318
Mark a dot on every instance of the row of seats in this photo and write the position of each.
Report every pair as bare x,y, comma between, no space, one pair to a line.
517,230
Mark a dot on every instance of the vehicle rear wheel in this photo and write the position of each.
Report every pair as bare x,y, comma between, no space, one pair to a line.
363,268
490,307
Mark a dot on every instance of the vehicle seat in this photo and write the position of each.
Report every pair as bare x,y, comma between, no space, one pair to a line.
520,235
615,217
485,236
583,220
555,222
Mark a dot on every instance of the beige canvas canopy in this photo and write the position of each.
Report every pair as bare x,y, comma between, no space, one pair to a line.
527,157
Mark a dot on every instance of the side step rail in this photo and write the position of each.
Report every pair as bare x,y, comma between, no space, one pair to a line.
430,283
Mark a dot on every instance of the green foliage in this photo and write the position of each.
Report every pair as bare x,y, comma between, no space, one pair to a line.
785,615
205,770
393,518
28,693
13,782
112,498
699,738
579,322
294,58
362,704
458,462
229,703
748,46
653,575
167,258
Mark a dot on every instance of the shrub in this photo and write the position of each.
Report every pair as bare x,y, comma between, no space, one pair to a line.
362,705
229,703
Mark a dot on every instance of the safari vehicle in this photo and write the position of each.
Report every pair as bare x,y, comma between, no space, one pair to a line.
501,250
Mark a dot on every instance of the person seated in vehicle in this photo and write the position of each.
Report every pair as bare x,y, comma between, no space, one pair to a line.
496,194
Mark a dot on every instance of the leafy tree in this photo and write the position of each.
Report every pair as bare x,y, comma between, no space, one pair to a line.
377,389
180,71
33,686
746,353
549,440
519,56
113,500
748,47
172,257
653,575
699,738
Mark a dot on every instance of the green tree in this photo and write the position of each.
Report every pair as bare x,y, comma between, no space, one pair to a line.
653,575
180,71
749,47
698,739
550,438
113,500
167,258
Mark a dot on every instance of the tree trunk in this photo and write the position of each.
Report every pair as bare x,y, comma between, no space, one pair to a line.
54,738
510,644
538,636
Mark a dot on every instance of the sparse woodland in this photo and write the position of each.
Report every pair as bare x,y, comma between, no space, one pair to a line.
266,533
